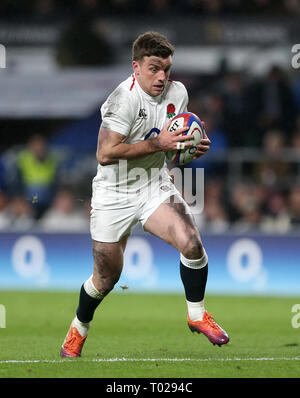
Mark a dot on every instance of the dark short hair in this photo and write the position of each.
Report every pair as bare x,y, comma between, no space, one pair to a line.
151,44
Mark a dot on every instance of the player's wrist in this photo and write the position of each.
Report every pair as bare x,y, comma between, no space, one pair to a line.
155,144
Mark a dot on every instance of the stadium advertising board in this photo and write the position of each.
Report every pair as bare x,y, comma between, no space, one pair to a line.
237,265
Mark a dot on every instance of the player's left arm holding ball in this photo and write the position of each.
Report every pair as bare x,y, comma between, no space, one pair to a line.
111,147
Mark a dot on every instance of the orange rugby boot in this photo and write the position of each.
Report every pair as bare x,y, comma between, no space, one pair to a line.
73,344
209,327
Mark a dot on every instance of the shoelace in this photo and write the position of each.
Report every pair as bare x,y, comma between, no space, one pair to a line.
210,320
74,343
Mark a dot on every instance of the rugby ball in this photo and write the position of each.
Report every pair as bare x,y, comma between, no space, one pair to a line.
189,119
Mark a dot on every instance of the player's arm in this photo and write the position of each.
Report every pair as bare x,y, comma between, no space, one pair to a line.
111,147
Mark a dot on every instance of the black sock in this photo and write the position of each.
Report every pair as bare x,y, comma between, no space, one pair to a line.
194,282
87,306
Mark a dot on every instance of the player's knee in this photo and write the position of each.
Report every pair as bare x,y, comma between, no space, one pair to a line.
106,284
192,247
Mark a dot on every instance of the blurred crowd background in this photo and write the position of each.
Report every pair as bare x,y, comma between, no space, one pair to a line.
66,8
64,57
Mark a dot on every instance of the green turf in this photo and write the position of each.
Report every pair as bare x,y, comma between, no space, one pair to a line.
128,325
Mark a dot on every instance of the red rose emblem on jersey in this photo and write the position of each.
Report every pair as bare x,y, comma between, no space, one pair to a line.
170,110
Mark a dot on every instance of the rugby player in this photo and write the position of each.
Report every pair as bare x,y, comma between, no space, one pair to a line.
134,137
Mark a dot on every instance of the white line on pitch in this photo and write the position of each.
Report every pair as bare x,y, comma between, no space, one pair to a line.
148,360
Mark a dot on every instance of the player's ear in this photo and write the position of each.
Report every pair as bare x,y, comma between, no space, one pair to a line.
136,67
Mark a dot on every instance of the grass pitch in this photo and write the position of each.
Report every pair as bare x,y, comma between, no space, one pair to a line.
136,335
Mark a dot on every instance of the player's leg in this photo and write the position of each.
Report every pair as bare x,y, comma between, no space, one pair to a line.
174,223
108,264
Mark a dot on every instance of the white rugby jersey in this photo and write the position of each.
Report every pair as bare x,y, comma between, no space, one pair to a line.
138,116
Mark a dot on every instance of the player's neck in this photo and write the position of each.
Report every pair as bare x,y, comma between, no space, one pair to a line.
146,95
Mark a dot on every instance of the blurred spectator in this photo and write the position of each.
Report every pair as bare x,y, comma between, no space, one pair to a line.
243,203
245,210
80,44
272,169
271,104
21,214
2,176
235,122
276,218
292,6
37,169
296,141
215,217
250,220
5,219
294,203
214,106
64,215
217,135
214,191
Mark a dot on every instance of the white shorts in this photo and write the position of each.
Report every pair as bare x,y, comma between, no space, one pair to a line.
113,214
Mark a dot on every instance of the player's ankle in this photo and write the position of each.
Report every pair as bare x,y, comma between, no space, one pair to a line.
82,327
196,310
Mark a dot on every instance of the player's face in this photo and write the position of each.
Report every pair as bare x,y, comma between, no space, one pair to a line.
152,73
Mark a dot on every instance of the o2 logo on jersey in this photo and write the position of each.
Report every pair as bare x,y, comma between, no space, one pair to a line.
152,133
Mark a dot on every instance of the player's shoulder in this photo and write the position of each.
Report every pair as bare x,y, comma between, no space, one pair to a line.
120,102
124,91
176,87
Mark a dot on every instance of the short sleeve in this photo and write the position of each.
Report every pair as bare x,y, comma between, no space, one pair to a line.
179,90
117,114
185,99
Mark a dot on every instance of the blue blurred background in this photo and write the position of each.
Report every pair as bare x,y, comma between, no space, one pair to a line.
235,57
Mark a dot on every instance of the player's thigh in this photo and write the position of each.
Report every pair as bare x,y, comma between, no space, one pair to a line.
174,223
108,258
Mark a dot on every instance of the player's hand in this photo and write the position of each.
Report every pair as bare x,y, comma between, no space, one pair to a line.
172,140
204,145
